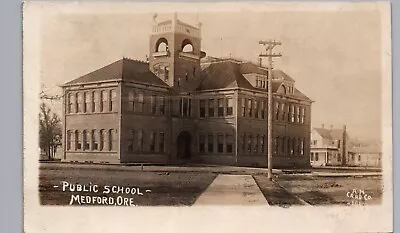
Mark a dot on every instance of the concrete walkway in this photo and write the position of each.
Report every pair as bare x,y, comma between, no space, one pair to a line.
232,190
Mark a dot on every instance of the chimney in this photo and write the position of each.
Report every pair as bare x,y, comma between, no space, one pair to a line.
322,126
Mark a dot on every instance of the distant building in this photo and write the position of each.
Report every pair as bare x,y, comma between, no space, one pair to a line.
365,156
329,147
181,106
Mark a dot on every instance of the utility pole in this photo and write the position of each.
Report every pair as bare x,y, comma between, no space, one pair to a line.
269,46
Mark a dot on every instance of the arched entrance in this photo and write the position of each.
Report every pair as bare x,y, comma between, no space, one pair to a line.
184,142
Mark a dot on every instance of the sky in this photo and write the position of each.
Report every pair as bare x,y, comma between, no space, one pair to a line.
334,57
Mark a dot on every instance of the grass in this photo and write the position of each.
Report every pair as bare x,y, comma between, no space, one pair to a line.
167,189
332,190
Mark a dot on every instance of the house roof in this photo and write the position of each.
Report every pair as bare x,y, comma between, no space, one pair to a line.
331,134
123,69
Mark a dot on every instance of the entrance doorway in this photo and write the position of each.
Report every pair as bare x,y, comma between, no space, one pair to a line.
184,142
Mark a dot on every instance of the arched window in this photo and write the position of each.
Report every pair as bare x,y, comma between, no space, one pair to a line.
161,45
187,46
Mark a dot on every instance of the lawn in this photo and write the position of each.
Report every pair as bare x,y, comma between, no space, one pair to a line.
332,190
166,189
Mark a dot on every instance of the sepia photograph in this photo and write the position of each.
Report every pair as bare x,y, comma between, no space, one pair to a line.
277,106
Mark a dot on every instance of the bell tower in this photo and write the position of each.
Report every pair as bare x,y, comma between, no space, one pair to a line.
175,52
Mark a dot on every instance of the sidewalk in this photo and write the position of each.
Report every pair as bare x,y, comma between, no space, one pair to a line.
203,168
232,190
159,168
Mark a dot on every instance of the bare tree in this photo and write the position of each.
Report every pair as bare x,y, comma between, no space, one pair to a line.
50,132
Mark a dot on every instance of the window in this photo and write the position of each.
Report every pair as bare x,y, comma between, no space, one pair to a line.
131,140
220,107
316,156
249,142
359,157
250,107
69,109
69,136
94,96
312,157
162,105
220,141
243,107
229,143
292,113
78,140
262,109
277,110
152,146
210,141
282,147
211,107
229,108
276,145
302,146
113,96
256,105
186,76
202,143
302,115
185,107
338,144
262,144
256,140
294,146
161,143
153,104
339,158
202,108
243,142
86,100
283,113
95,140
140,102
289,117
104,100
314,142
111,138
86,143
131,101
78,102
102,137
298,114
140,139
